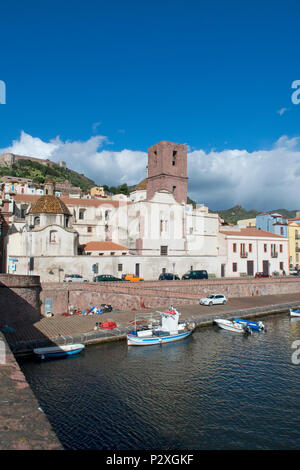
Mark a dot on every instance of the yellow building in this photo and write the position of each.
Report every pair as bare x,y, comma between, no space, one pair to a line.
97,191
247,222
294,244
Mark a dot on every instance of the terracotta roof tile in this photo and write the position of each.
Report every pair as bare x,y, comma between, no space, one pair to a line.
49,204
104,246
252,232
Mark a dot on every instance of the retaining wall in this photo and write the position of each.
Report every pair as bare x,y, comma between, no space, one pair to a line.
155,294
19,299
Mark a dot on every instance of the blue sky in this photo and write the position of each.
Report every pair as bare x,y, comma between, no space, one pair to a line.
214,75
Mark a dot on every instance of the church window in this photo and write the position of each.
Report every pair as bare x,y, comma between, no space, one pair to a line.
36,221
53,236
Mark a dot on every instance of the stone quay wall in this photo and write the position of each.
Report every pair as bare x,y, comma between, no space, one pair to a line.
158,294
19,299
23,424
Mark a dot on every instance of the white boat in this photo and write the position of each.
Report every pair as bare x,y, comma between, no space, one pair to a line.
295,313
232,326
58,351
162,327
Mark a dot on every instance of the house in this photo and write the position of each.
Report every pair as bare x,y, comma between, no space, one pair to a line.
250,250
294,243
272,222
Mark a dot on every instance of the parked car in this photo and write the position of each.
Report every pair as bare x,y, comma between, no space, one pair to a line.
168,277
74,278
106,277
262,275
213,299
295,272
200,274
131,277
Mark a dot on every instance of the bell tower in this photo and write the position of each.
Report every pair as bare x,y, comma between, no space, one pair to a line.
167,169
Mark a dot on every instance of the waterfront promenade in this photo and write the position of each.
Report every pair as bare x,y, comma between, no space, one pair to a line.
80,328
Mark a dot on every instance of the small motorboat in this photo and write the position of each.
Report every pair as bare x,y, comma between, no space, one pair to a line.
233,326
58,351
159,332
295,312
254,325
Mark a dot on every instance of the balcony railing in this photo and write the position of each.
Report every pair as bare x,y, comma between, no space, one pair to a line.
274,254
244,254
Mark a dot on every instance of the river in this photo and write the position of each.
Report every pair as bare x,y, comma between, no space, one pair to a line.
215,390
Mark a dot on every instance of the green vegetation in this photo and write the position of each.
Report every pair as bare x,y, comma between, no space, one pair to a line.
231,216
39,173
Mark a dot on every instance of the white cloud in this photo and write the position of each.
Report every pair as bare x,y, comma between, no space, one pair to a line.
262,179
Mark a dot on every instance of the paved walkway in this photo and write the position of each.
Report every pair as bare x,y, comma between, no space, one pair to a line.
80,328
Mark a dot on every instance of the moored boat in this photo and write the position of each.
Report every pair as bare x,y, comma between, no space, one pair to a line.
255,326
295,312
58,351
161,327
232,326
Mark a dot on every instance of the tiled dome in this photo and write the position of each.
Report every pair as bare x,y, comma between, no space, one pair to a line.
49,204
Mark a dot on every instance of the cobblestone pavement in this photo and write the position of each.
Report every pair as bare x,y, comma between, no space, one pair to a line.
62,330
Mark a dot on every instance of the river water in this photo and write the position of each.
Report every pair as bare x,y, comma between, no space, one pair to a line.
215,390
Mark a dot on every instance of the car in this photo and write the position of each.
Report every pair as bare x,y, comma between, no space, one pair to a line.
199,274
168,277
262,275
295,272
213,299
74,278
131,277
106,278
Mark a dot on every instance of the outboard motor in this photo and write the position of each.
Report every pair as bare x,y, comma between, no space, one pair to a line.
247,329
261,326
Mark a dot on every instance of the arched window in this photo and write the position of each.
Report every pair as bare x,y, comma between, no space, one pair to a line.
36,221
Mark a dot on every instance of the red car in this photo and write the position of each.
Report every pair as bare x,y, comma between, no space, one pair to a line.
262,275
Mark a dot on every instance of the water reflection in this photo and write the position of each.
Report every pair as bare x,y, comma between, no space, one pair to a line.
213,390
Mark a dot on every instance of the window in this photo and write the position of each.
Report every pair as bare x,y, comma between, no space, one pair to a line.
280,248
81,214
174,189
120,267
174,158
281,230
234,267
250,248
112,253
53,236
281,265
36,221
265,248
163,250
90,229
234,248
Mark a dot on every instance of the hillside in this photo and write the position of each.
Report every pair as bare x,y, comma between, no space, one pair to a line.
39,173
231,216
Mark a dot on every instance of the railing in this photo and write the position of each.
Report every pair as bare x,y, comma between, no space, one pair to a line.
274,254
244,254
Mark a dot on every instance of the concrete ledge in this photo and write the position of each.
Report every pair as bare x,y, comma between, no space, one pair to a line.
23,425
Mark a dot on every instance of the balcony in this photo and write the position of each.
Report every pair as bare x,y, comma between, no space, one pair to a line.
244,254
274,254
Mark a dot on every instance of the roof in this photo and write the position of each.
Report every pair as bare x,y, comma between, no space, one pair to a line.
104,246
50,205
252,232
70,201
142,185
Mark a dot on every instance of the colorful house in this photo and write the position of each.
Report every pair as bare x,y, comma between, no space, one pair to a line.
272,222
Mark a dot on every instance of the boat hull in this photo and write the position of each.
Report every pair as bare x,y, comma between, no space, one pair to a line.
133,340
295,313
255,326
58,351
230,326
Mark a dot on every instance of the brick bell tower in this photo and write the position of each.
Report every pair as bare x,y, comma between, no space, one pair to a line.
167,169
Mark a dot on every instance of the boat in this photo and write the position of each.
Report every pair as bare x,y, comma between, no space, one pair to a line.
58,351
159,328
233,326
255,326
295,312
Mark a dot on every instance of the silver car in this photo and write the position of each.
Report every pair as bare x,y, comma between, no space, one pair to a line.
213,299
